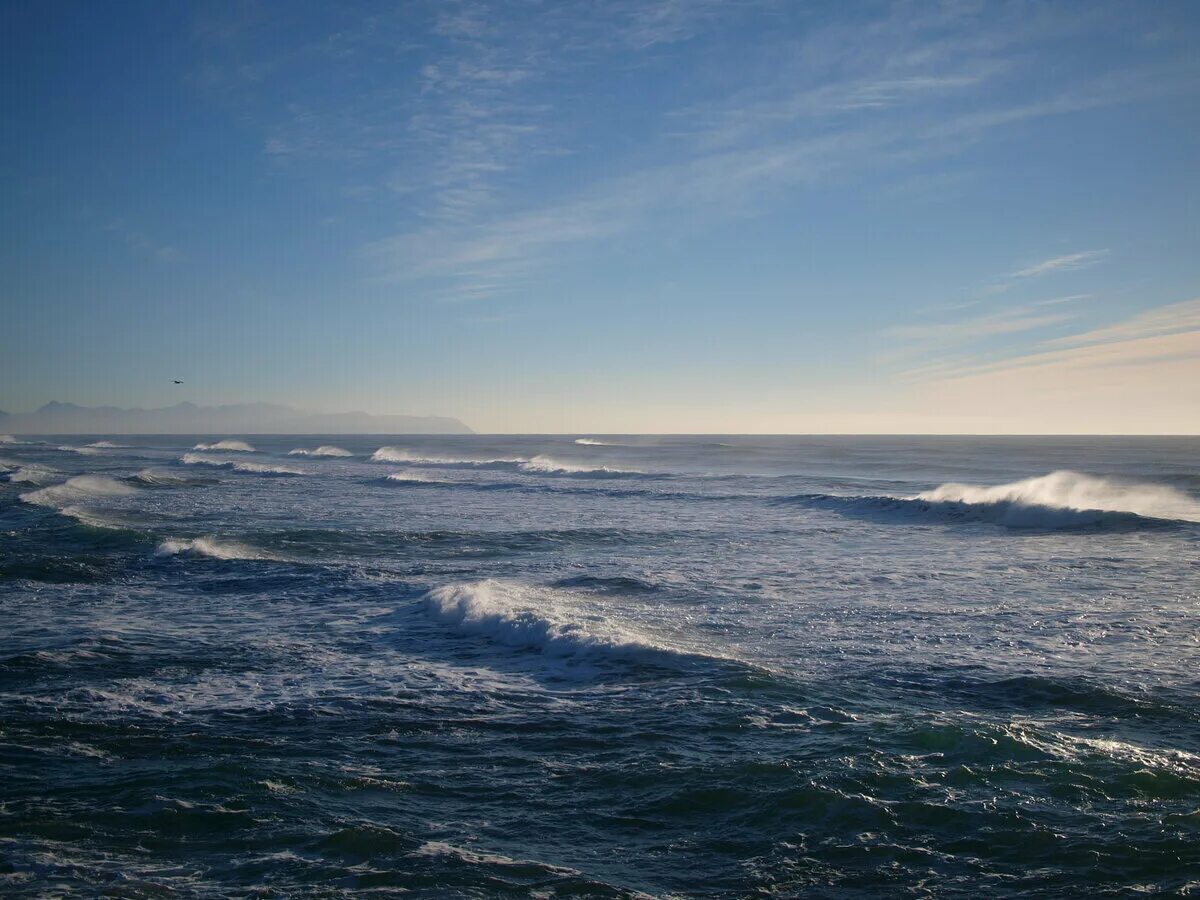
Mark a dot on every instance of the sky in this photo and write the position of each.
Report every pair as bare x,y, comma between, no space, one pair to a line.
608,215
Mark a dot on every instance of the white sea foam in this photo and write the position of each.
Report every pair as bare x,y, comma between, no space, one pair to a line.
8,439
545,465
210,547
227,445
83,451
28,473
1042,500
106,445
325,450
560,624
400,455
411,476
196,459
591,442
66,497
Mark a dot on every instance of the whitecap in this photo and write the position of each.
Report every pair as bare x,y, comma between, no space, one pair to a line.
228,446
209,547
1032,499
325,450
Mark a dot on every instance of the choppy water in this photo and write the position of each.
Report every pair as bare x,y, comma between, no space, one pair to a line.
612,667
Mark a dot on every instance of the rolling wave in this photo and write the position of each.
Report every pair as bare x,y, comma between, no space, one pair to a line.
158,478
555,623
228,446
106,445
66,497
400,455
195,459
8,439
1075,491
545,465
591,442
325,450
1059,500
209,547
26,473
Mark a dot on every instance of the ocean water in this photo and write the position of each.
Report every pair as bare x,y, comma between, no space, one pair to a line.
599,667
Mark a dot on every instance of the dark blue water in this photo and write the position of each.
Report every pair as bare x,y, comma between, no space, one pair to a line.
710,666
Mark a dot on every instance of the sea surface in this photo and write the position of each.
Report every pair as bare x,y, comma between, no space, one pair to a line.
596,666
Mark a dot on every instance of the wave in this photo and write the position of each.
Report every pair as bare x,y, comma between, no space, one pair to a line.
326,450
416,478
545,465
1059,500
66,497
210,548
590,442
195,459
83,451
554,623
8,439
158,478
106,445
26,473
400,455
1077,492
227,445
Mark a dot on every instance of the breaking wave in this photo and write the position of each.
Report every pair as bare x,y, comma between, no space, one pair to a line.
106,445
66,497
1067,490
326,450
26,473
415,478
399,455
8,439
545,465
1059,500
195,459
83,451
209,547
227,445
158,478
590,442
554,623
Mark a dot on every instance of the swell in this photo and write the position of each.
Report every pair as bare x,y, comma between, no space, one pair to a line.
210,548
324,450
253,468
1062,500
557,624
230,446
65,498
536,465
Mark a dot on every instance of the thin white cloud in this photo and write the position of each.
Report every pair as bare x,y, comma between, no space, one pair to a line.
1061,263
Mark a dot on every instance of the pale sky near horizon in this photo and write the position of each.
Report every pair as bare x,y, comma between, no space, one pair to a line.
653,216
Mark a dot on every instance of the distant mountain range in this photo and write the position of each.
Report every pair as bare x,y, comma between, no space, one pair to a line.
241,418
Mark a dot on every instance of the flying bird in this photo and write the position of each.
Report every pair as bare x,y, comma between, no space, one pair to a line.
179,382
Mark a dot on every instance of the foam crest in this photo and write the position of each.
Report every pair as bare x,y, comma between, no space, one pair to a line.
545,465
208,547
159,478
106,445
413,477
557,624
8,439
66,497
400,455
26,473
196,459
591,442
325,450
1073,492
229,446
82,451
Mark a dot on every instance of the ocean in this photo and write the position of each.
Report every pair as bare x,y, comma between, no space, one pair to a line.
544,666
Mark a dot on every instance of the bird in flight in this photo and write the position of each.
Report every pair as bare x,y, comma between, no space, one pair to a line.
179,382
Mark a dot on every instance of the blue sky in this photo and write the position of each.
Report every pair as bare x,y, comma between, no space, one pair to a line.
667,215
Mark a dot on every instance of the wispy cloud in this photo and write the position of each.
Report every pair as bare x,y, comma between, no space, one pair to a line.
1062,263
